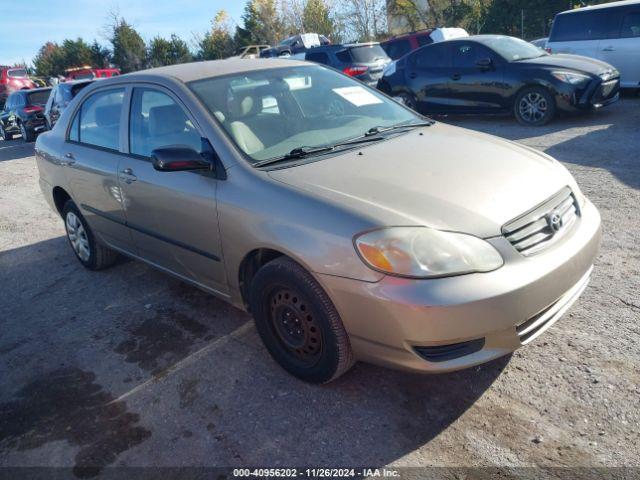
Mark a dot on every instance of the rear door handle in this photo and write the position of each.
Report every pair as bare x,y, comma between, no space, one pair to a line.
69,160
127,175
456,76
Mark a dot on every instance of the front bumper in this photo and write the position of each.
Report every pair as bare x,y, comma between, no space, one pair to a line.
596,94
506,308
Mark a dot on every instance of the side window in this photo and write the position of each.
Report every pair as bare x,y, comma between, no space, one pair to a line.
157,121
100,119
594,25
318,57
74,133
436,56
466,55
630,25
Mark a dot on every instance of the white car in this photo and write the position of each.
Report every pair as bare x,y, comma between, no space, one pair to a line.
608,32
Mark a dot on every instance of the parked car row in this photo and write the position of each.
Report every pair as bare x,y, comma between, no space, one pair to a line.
30,112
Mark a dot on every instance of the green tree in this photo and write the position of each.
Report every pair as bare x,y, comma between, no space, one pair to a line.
100,56
168,52
261,24
49,60
317,19
217,43
76,53
129,50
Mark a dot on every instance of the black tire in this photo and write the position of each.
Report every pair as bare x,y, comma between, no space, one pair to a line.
3,134
298,323
534,106
99,256
27,134
407,100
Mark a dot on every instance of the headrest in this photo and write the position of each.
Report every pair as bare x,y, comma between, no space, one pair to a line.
108,115
166,120
241,105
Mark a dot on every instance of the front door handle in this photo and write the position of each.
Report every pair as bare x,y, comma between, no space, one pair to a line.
127,175
609,49
456,76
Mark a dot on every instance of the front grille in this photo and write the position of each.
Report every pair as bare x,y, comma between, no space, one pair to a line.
539,228
606,91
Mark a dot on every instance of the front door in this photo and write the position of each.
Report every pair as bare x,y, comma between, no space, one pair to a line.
172,215
428,72
474,85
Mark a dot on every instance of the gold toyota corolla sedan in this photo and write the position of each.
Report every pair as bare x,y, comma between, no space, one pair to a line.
348,225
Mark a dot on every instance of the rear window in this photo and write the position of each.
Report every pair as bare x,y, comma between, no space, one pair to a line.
17,72
367,53
38,98
397,48
631,25
598,24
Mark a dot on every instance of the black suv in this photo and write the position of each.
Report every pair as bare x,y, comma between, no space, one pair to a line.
59,98
23,114
364,61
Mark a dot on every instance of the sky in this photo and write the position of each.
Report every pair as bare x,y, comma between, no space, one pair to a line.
26,25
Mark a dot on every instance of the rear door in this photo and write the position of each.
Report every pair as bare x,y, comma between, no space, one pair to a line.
623,50
427,75
93,151
473,88
172,215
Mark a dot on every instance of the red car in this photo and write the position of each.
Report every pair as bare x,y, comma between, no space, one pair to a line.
12,79
400,45
90,73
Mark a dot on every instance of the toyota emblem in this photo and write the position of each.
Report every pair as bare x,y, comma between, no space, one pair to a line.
555,221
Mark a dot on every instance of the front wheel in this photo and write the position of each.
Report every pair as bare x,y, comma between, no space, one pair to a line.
534,106
298,323
89,252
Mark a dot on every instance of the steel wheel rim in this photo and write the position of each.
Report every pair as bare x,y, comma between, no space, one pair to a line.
533,107
295,326
78,237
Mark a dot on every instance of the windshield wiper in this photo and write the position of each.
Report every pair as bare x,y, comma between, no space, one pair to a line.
300,152
376,130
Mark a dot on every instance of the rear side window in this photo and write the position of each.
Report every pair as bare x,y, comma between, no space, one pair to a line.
397,48
598,24
157,121
99,119
436,56
630,25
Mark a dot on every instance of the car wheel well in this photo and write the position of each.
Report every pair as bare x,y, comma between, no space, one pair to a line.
530,85
60,197
250,265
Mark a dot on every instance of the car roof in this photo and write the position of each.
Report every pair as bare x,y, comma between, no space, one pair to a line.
189,72
622,3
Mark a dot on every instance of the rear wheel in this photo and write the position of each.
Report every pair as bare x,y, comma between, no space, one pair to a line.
89,252
27,134
298,323
534,106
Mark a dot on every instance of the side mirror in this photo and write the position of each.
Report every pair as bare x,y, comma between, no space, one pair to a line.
177,159
484,63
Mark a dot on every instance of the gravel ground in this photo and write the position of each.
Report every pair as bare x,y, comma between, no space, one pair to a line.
128,367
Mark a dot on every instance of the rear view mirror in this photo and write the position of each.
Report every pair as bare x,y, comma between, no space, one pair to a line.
176,159
484,63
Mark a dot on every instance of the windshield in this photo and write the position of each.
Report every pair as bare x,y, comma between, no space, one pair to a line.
367,53
39,97
513,49
268,113
17,72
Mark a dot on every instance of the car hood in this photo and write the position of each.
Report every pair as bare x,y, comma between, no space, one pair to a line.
566,61
441,176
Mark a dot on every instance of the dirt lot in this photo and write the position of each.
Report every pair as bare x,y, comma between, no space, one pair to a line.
130,367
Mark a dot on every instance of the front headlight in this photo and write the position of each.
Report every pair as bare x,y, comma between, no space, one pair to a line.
422,252
571,77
